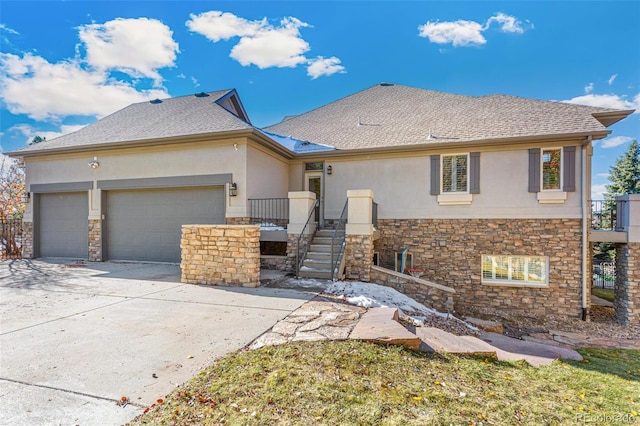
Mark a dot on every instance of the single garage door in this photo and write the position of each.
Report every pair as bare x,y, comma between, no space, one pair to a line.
63,225
147,224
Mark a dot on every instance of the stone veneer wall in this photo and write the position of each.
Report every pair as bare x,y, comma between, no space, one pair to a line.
359,257
27,240
292,248
429,294
95,240
457,264
627,287
221,255
237,221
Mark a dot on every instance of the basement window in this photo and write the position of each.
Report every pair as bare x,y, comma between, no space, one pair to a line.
515,270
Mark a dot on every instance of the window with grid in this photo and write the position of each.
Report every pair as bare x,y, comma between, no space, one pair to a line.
454,173
529,270
551,160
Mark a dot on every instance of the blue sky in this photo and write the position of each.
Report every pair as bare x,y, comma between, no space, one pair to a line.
65,64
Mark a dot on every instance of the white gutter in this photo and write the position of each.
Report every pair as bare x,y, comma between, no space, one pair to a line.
585,177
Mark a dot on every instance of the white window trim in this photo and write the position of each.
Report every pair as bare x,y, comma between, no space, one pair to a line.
456,198
542,150
514,283
442,172
551,196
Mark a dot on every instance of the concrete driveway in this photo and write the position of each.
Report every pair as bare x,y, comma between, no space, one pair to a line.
75,338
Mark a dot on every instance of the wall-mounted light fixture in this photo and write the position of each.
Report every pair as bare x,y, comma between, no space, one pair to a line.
329,170
233,189
26,197
94,164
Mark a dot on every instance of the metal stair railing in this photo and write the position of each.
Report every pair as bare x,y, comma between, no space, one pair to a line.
340,225
299,257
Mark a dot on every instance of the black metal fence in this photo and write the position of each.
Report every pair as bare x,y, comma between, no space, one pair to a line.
604,275
269,211
607,214
11,239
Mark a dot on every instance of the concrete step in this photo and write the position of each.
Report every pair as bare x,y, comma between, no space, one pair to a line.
318,263
319,255
325,248
329,233
381,325
327,240
320,273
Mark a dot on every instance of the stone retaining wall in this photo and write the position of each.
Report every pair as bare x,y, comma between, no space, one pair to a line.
627,288
221,255
450,250
429,294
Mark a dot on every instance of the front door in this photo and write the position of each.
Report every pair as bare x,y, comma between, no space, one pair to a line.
313,183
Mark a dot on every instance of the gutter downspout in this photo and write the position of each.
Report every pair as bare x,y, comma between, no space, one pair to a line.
585,171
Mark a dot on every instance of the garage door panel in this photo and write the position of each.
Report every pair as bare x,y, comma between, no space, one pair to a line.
147,224
63,225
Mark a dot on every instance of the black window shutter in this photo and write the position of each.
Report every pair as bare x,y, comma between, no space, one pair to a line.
474,173
534,170
435,175
569,169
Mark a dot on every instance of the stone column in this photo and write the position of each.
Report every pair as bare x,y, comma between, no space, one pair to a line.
300,204
359,235
27,240
27,229
627,287
95,240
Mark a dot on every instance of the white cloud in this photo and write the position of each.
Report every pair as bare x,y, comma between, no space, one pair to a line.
598,191
508,24
261,43
273,47
468,33
30,132
612,79
324,66
607,101
138,47
615,141
217,26
42,90
182,76
458,33
588,88
6,29
603,175
195,82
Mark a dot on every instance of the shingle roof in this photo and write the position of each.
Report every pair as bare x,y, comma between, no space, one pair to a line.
394,115
180,116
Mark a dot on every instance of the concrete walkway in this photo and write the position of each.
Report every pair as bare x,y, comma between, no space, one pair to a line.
76,337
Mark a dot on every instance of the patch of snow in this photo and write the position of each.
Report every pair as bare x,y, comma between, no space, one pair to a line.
267,226
370,295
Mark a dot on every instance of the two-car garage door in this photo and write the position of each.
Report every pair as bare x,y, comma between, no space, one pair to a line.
140,224
147,224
